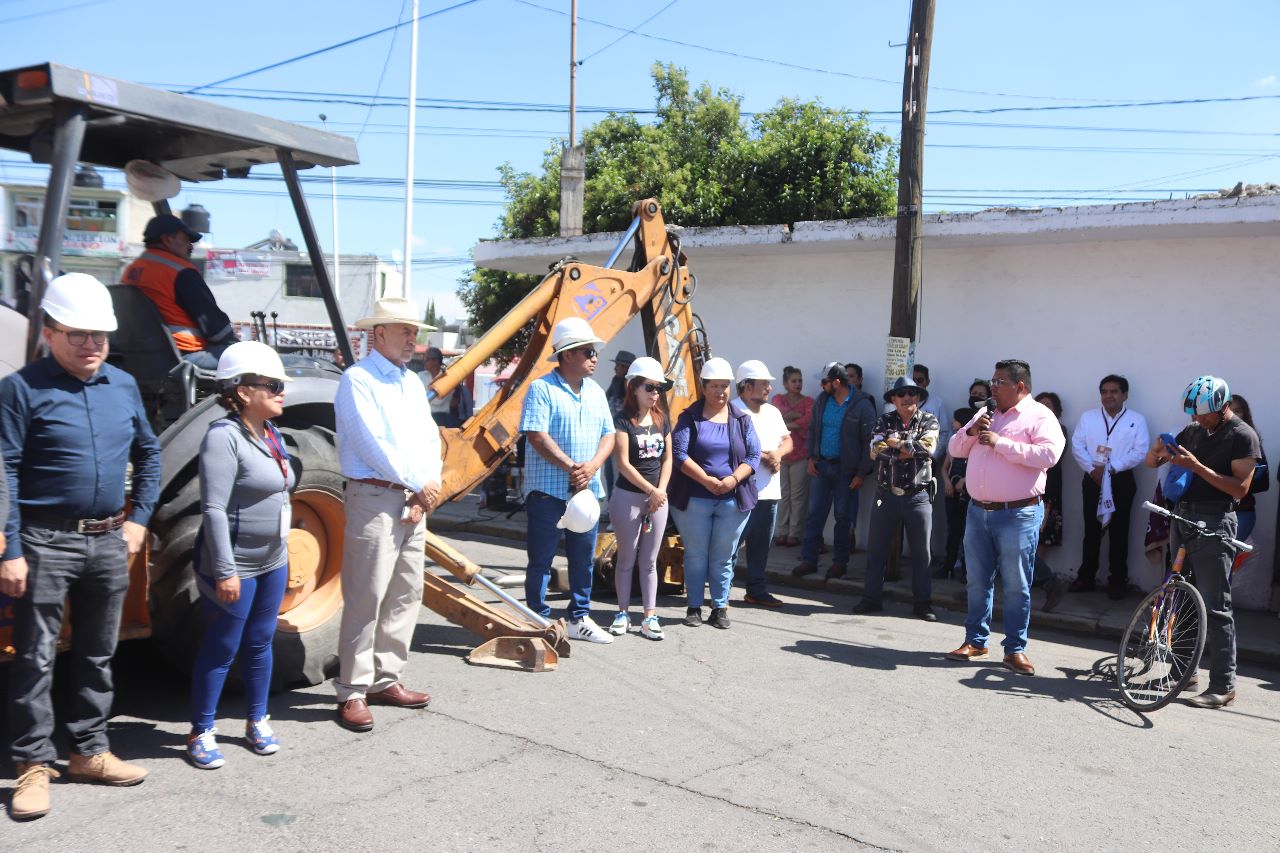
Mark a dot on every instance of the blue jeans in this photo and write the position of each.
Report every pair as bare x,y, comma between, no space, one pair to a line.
1004,541
828,488
757,537
543,511
246,627
710,530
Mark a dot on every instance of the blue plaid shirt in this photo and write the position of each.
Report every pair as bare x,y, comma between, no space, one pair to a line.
575,422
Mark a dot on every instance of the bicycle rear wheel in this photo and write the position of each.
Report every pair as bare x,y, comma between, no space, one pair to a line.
1162,646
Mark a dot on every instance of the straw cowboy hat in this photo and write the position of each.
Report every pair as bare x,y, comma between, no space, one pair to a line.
394,309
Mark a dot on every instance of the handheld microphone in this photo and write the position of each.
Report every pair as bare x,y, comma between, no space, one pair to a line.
991,407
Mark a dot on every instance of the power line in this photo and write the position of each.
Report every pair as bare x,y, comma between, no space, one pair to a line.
44,12
322,50
629,32
386,62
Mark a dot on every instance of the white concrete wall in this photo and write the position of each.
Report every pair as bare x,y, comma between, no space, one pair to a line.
1159,312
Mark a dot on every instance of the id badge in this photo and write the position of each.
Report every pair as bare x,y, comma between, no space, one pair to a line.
1106,505
286,519
1102,455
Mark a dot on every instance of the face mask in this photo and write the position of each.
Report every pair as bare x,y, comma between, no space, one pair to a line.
977,402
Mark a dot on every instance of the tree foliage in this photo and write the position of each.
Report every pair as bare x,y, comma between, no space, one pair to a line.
707,166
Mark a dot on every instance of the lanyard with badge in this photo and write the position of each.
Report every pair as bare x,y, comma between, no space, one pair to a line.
282,459
1102,453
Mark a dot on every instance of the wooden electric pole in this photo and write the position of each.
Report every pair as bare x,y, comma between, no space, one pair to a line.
906,255
573,160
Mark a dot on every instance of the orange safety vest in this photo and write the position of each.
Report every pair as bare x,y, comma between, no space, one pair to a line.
157,273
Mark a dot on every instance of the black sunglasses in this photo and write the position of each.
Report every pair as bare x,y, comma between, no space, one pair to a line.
650,387
274,386
587,352
906,392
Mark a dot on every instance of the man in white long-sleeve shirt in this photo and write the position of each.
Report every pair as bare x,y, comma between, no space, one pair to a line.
1108,444
389,449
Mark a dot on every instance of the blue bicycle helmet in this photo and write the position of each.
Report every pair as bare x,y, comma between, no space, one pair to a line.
1205,395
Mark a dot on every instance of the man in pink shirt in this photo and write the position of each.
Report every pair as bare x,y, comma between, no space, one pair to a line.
1009,446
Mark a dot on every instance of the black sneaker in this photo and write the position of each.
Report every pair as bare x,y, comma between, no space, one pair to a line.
804,570
719,617
925,612
865,606
693,617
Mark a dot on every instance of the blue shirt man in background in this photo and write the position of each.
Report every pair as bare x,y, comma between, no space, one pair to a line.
569,427
70,424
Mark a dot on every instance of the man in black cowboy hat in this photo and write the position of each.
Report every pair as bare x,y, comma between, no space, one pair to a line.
902,446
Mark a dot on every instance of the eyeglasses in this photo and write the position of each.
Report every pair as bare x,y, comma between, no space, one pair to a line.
651,388
906,392
273,387
79,339
586,352
996,383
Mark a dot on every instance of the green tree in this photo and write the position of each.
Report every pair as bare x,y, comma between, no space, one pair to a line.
707,166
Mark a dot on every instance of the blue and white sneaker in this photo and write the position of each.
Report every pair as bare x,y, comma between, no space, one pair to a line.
650,629
260,737
621,624
202,749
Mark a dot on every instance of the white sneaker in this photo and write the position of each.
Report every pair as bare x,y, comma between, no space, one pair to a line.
621,624
650,628
589,631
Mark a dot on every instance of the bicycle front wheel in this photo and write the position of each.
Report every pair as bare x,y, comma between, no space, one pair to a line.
1162,646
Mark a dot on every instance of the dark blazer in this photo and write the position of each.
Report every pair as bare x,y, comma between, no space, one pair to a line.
855,432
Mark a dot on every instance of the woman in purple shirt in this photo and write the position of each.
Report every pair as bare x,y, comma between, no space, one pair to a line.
716,452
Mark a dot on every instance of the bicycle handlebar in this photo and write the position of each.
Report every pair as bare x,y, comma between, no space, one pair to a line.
1198,526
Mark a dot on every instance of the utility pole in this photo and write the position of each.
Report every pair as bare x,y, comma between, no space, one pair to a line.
900,346
906,256
573,160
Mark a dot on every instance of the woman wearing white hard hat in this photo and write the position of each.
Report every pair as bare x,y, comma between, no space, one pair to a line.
716,452
241,556
638,506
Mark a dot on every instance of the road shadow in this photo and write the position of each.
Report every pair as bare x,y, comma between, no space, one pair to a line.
1093,688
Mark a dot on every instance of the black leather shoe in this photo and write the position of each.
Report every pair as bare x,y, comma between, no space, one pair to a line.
836,572
864,607
925,612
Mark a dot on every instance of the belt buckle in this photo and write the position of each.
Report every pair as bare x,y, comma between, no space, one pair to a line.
898,490
80,525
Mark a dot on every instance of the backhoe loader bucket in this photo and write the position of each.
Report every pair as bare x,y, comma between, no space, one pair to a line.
527,654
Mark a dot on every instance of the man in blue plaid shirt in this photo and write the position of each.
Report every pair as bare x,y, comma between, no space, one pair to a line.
569,427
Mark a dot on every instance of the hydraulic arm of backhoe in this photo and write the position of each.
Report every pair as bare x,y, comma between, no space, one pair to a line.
658,288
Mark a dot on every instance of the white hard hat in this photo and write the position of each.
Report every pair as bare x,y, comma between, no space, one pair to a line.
79,301
753,369
249,357
717,368
571,332
646,367
581,513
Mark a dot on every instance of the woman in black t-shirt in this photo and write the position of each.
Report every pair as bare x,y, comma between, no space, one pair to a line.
638,506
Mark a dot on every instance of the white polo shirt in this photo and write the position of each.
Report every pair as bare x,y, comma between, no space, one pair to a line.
771,429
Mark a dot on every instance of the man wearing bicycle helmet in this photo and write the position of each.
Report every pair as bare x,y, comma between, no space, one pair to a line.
1220,451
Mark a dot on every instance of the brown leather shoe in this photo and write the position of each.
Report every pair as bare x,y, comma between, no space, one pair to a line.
1018,663
31,793
399,696
104,769
1207,700
354,715
968,652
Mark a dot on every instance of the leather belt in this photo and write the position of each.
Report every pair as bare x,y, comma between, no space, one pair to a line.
88,526
385,484
991,506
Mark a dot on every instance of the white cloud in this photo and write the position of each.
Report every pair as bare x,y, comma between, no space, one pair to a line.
1265,82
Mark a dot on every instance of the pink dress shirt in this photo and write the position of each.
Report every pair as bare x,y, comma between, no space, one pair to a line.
1030,443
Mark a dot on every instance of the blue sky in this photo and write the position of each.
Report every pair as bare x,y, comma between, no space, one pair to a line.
987,55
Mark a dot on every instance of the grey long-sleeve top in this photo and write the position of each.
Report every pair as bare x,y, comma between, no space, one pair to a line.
242,497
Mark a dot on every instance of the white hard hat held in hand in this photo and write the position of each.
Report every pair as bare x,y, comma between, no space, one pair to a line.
717,368
247,358
581,513
79,301
753,369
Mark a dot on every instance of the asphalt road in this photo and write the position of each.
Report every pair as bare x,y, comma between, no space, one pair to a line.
806,729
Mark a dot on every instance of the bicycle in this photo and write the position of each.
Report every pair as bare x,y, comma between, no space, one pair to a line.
1161,648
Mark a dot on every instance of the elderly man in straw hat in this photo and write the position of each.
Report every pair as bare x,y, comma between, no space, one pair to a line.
389,449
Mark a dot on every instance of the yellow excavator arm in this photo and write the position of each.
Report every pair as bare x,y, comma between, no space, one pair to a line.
658,288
